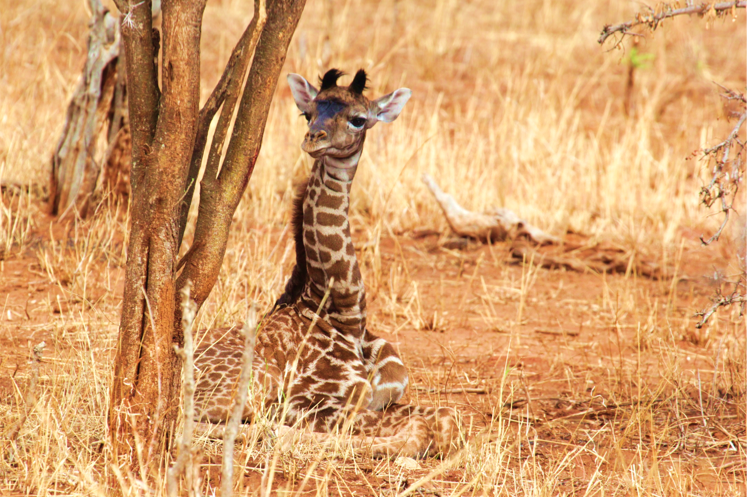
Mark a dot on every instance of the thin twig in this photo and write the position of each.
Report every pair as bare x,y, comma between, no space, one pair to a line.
184,450
721,301
652,19
237,413
727,182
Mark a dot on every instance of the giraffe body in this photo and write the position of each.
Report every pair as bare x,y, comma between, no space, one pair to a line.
315,353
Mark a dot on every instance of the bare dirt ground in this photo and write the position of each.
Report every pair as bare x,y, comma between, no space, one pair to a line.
578,375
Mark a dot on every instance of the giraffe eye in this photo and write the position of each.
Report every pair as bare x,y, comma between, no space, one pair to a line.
358,122
306,116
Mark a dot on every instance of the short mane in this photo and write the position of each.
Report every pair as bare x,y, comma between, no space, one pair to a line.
299,276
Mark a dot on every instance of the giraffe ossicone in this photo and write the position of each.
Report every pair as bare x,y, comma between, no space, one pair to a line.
315,361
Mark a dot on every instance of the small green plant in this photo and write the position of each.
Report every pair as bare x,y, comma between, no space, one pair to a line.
640,60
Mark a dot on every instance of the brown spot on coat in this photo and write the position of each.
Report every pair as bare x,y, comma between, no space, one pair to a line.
332,242
331,201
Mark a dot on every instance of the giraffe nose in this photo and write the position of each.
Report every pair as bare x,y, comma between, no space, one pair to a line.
314,136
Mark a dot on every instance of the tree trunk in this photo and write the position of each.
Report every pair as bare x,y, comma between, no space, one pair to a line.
169,136
163,128
99,98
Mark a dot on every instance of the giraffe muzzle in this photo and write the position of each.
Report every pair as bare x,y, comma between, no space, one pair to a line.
315,142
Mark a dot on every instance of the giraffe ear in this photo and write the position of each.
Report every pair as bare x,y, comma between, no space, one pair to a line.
388,107
303,91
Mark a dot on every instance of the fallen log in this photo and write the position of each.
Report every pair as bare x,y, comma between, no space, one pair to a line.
529,243
496,225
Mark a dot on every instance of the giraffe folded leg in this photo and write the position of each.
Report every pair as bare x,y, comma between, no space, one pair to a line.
385,369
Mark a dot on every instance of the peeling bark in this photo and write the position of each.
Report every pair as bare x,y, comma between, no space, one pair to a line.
75,169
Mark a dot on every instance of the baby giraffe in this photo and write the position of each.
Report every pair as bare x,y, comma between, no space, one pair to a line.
313,352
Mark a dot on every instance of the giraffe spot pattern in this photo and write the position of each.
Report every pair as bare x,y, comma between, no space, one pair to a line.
324,371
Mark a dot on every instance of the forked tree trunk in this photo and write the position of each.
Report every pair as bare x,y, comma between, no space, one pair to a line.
97,107
169,136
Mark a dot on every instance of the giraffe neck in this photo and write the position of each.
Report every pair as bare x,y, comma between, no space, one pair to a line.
330,256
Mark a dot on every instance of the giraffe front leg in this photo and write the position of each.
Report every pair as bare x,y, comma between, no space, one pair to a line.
385,370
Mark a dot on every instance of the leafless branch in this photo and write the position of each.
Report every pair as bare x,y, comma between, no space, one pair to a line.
237,413
184,450
721,301
727,174
652,17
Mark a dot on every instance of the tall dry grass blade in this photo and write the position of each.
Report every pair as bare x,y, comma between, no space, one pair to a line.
30,398
184,449
245,379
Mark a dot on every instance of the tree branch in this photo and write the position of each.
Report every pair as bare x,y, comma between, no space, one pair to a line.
652,18
220,195
229,86
725,182
721,301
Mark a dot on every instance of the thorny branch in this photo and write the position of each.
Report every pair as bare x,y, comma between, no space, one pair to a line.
722,301
653,17
727,175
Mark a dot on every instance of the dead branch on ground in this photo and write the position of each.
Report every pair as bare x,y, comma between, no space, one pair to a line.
529,243
653,17
498,225
588,256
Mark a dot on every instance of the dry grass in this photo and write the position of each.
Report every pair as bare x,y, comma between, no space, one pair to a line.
514,105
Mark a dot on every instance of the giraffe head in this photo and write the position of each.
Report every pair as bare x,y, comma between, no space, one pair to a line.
339,116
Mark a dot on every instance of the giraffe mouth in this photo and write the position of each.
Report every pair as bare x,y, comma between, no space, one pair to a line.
315,149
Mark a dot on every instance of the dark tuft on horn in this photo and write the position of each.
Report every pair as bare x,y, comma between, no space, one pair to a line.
359,82
329,80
